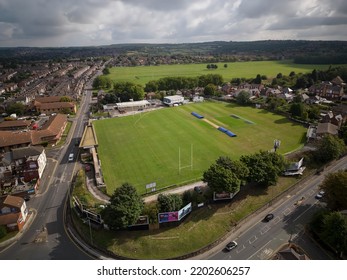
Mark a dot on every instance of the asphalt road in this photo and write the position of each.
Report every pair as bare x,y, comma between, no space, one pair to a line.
46,237
258,240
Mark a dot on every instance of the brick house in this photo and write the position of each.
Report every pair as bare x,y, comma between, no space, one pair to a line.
29,162
53,104
13,212
50,133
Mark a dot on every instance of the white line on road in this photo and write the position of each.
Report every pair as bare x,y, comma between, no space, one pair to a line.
276,220
259,249
264,230
305,211
241,249
286,212
253,239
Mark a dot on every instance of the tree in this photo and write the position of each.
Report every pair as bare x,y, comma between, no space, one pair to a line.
298,110
102,82
151,86
124,208
16,108
243,97
236,166
127,90
169,203
3,231
343,131
264,167
106,71
210,90
225,175
65,99
215,79
335,231
257,80
329,148
335,187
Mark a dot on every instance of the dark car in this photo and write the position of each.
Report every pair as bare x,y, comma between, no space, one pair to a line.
231,245
198,189
269,217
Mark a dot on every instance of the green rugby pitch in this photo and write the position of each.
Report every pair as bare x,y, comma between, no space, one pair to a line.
144,148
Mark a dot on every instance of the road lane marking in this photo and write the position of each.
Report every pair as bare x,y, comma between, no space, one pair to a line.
305,211
253,239
311,192
287,212
264,230
241,249
276,220
265,254
267,243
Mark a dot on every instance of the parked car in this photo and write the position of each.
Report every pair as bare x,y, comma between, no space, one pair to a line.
198,189
320,194
231,245
269,217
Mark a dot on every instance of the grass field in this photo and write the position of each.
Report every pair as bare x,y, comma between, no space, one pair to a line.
143,74
144,148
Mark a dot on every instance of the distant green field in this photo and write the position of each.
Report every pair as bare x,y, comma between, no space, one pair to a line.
150,147
143,74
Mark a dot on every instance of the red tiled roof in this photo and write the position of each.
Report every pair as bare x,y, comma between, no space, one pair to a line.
14,201
56,105
51,129
17,123
10,218
48,99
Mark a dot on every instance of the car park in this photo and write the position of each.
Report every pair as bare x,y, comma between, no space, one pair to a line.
269,217
320,194
231,245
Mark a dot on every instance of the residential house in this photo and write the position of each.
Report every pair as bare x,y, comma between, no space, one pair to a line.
290,254
330,117
333,90
49,133
13,212
15,125
57,107
326,128
29,162
53,104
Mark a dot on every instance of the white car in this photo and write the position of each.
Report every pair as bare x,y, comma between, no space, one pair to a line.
71,157
320,194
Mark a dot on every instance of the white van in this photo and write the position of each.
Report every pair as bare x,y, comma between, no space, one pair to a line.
71,156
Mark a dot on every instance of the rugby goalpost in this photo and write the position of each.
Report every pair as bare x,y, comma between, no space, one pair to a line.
191,159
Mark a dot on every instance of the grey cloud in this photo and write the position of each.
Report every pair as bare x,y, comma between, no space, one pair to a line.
90,22
160,5
260,8
307,22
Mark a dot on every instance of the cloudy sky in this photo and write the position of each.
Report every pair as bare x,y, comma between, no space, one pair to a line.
55,23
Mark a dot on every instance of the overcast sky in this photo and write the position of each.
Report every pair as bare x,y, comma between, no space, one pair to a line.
56,23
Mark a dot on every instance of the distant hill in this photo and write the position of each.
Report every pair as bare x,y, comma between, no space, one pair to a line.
302,51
